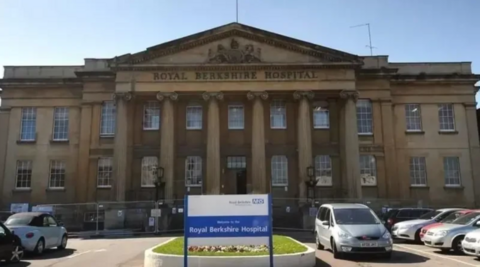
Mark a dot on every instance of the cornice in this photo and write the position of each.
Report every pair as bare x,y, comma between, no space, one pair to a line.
236,67
435,78
40,82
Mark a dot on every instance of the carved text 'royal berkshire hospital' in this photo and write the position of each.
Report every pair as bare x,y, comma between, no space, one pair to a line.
239,110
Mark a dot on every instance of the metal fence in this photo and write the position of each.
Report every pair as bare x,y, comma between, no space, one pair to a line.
137,218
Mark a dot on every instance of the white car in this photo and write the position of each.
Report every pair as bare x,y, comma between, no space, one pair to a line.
37,231
471,243
410,230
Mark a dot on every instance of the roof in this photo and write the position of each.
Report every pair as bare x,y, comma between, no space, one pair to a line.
449,209
346,206
28,214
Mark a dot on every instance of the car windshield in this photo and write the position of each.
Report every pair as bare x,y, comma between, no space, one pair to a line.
430,215
467,219
355,216
452,217
17,220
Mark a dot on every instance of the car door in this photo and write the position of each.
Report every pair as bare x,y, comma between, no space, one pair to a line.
55,229
48,232
325,228
318,221
6,242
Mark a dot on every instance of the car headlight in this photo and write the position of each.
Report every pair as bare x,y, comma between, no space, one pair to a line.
441,233
386,235
343,235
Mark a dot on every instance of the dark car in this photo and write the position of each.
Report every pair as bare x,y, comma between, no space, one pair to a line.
394,216
11,249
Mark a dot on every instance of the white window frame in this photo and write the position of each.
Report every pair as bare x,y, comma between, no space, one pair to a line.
364,117
445,119
151,109
60,124
279,170
105,174
148,171
57,174
278,112
193,171
28,132
24,178
191,116
413,118
321,118
449,173
236,117
108,120
418,171
323,170
368,170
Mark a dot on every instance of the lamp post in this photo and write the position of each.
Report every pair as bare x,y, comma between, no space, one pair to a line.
159,183
312,182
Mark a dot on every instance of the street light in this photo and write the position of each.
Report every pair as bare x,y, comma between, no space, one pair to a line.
312,182
159,183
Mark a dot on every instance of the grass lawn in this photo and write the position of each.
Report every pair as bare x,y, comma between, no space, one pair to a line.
281,245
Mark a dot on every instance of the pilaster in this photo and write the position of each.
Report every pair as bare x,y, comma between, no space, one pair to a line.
82,181
474,147
213,142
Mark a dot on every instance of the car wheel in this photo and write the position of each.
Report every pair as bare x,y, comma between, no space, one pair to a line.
336,254
16,255
317,243
63,245
40,247
457,244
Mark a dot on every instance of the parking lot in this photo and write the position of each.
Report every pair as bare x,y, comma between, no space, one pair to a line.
128,252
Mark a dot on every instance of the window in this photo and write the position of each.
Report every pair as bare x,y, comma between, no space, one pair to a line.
446,117
451,169
194,117
323,170
368,170
29,124
279,171
235,117
278,115
413,117
151,115
193,171
104,172
148,173
321,118
108,120
418,171
24,174
60,124
57,174
364,117
236,163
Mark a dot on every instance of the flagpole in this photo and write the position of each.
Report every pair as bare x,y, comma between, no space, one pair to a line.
236,10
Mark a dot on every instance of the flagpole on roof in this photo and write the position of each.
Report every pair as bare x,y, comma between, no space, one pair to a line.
236,9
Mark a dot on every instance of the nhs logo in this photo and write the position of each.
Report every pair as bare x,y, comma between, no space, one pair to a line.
258,201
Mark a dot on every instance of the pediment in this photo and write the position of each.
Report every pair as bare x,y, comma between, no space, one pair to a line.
236,44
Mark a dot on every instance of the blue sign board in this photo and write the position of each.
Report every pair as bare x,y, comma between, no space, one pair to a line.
228,220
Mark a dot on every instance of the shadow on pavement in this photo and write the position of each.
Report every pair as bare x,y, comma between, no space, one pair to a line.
398,257
52,254
20,264
321,263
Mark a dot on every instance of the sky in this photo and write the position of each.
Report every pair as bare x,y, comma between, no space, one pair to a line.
64,32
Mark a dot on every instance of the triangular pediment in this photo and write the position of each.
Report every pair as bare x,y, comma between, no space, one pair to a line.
236,44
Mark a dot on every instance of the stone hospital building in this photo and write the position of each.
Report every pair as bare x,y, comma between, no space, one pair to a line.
239,110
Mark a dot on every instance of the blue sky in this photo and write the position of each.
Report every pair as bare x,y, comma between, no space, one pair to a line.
64,32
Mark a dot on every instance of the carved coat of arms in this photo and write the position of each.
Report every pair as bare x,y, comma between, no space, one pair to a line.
234,54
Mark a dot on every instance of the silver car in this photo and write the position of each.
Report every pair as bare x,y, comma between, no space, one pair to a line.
351,229
450,235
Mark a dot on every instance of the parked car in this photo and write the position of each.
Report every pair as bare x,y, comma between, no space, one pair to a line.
351,229
410,230
38,231
11,249
394,216
470,243
450,218
450,236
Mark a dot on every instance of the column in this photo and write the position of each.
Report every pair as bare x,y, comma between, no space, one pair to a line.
351,148
474,147
304,139
392,184
213,142
120,145
82,179
167,141
259,177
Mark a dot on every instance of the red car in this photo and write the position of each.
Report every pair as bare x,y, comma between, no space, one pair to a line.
450,218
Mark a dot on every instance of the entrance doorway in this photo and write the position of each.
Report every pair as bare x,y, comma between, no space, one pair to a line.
236,175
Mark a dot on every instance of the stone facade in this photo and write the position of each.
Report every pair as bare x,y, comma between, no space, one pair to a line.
273,105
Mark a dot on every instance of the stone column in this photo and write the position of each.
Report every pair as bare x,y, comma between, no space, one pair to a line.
474,147
83,180
167,141
259,175
351,149
120,145
304,139
213,142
